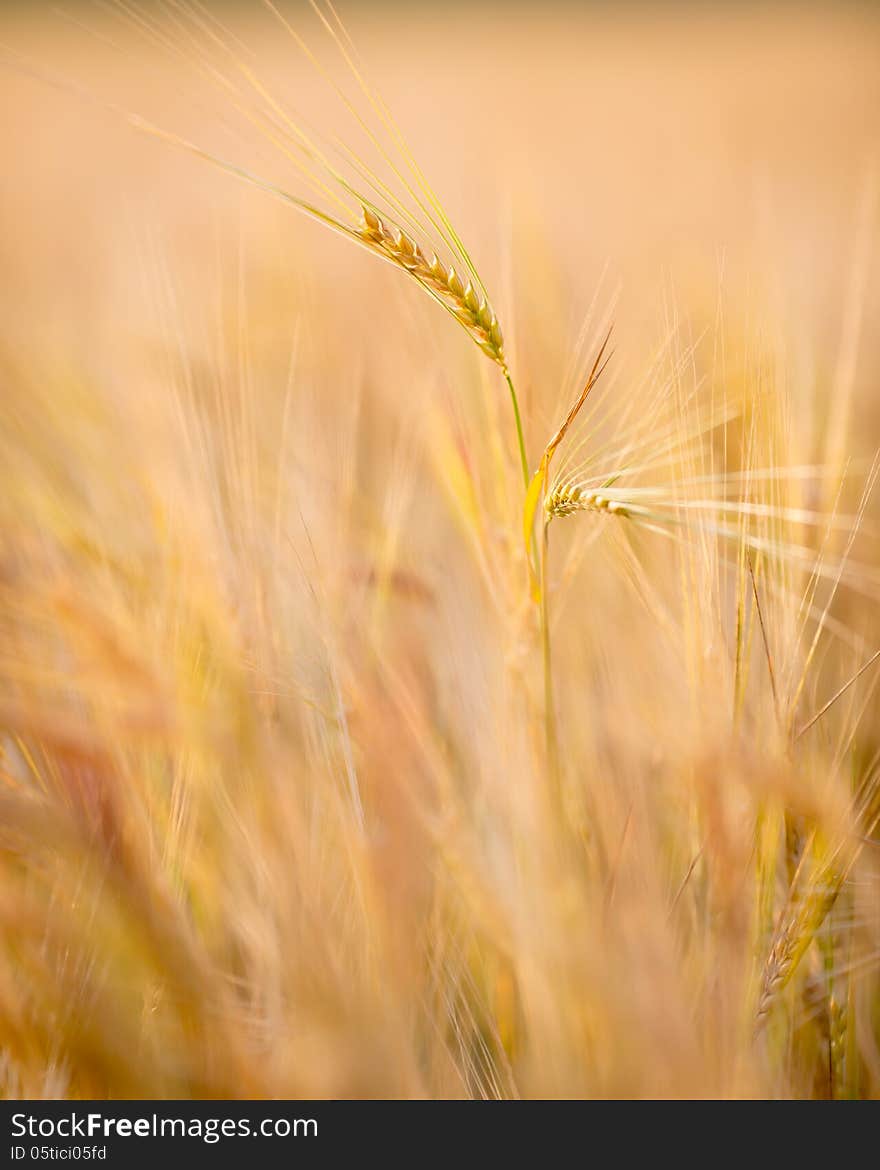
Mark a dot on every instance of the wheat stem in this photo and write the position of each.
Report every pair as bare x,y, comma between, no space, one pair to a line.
523,457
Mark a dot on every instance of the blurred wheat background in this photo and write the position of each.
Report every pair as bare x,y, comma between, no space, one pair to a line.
280,812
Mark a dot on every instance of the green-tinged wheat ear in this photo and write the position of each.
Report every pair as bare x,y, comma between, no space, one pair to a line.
805,911
462,300
813,891
568,498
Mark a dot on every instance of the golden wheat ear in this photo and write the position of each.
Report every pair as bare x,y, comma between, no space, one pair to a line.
391,243
468,306
388,208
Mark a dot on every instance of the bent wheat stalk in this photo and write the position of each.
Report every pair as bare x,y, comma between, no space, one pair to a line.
534,496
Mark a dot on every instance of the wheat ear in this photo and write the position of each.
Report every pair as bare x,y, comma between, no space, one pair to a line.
813,890
805,911
462,300
567,498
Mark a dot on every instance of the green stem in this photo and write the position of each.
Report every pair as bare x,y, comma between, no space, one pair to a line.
524,459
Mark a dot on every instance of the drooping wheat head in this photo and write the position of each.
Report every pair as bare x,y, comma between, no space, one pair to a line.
384,203
467,305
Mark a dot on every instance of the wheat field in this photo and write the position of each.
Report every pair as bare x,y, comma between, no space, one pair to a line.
470,694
